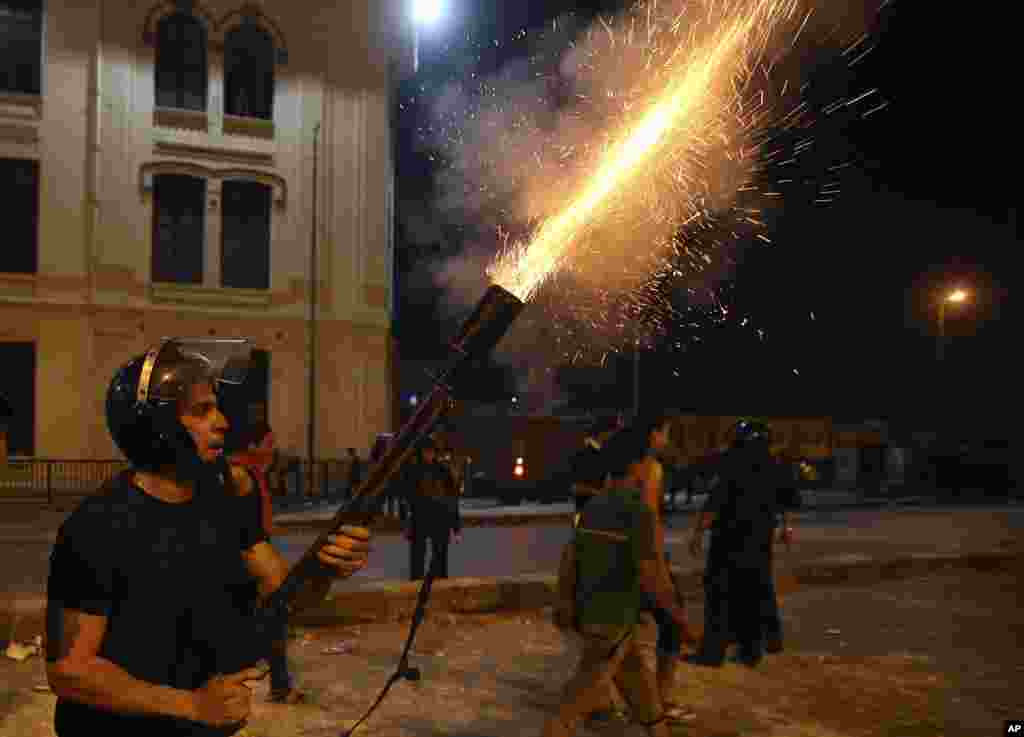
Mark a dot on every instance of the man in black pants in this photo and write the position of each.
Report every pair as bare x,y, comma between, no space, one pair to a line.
434,501
742,513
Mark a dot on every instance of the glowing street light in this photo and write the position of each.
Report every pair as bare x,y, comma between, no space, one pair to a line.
426,12
957,296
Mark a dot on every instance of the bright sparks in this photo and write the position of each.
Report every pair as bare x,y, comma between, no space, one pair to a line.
692,82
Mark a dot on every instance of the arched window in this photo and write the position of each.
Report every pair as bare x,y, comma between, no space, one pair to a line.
181,69
245,233
249,72
179,228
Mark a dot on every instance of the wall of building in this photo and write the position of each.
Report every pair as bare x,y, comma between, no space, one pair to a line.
99,140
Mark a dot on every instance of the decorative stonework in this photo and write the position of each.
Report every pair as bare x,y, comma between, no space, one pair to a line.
251,13
213,176
214,153
198,295
235,125
20,134
217,30
175,119
15,106
169,7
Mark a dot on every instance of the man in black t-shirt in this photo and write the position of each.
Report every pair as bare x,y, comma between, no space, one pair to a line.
742,512
434,504
149,626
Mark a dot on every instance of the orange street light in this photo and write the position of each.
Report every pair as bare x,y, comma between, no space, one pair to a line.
957,296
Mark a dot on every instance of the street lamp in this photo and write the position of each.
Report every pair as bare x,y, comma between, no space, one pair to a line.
957,296
424,13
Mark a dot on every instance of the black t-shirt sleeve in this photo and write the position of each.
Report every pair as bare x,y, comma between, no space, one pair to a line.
81,574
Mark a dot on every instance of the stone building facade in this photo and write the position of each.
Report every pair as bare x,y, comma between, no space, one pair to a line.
158,169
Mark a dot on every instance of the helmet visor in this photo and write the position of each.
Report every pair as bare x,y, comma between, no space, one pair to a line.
178,363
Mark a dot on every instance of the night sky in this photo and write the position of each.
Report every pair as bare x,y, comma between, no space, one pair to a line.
929,200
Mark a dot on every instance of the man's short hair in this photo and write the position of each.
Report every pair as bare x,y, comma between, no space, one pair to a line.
626,448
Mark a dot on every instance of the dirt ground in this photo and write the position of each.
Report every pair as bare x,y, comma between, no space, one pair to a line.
919,657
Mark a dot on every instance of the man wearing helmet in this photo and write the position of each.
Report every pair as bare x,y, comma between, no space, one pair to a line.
741,512
434,511
149,621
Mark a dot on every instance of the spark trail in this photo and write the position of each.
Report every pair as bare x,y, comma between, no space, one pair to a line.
690,105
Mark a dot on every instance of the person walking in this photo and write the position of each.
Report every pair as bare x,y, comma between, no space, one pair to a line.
250,448
742,513
617,563
650,475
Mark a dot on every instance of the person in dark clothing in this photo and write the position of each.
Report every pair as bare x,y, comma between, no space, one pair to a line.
434,503
586,467
148,615
250,450
742,513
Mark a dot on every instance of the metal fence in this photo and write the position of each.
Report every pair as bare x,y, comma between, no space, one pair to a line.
48,480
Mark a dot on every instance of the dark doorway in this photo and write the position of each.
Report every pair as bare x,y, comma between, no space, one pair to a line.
18,374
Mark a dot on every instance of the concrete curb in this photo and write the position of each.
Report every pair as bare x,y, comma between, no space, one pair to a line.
391,600
22,615
292,521
392,525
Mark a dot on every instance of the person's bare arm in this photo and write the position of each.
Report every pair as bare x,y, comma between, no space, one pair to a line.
654,583
76,672
269,568
344,554
243,481
653,484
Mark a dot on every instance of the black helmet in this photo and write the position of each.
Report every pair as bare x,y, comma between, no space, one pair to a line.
142,401
751,433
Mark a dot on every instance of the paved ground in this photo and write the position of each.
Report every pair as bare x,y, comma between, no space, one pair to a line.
913,658
510,551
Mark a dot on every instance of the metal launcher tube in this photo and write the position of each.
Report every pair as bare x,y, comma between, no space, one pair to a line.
478,336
